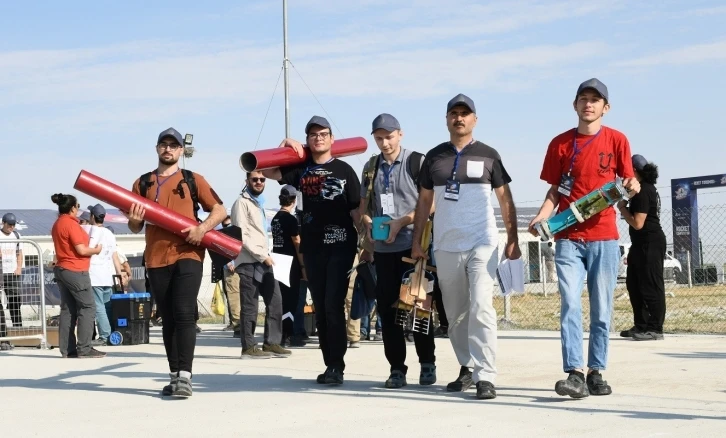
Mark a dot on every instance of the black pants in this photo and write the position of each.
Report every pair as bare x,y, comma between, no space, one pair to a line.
250,290
645,284
291,298
176,287
389,272
327,270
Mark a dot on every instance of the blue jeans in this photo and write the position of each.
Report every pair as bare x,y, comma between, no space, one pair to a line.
298,324
365,322
599,262
102,295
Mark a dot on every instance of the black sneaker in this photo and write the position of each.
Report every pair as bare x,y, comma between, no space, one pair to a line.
334,377
297,341
485,390
321,377
596,385
171,387
574,386
463,383
428,374
396,380
628,333
647,336
183,387
93,354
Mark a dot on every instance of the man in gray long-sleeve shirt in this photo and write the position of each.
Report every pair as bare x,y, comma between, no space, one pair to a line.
254,266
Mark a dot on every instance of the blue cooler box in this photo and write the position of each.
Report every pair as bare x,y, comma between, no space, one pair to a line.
130,318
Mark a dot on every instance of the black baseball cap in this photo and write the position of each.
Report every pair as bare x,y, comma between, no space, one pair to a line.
461,99
385,121
639,162
171,132
596,85
9,218
317,121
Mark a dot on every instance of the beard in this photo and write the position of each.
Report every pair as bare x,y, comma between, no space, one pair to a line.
254,192
168,161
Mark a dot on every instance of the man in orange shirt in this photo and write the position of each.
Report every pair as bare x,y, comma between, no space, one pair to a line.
577,162
174,264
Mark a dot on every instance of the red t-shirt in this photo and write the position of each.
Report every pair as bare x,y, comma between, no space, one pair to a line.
598,163
67,233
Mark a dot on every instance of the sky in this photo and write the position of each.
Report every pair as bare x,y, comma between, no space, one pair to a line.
88,85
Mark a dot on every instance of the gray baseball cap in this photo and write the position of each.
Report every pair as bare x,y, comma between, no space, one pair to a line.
171,132
317,121
596,85
9,218
385,121
639,162
97,210
461,99
288,190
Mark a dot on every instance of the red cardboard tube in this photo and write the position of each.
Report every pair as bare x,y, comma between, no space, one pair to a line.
282,157
156,214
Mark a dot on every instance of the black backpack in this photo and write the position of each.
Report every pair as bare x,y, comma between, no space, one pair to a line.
413,171
188,178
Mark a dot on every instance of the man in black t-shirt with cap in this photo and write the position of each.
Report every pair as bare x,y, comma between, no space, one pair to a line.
329,239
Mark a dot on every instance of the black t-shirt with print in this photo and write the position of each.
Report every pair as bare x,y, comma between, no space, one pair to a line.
283,227
329,192
646,201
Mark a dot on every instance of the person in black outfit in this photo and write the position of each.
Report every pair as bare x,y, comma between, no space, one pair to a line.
645,259
329,239
286,240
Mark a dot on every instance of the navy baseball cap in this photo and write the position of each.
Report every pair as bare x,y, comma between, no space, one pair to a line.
97,210
288,190
385,121
319,121
461,99
596,85
639,162
171,132
9,218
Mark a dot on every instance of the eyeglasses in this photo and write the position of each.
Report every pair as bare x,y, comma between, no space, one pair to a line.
170,146
258,179
322,135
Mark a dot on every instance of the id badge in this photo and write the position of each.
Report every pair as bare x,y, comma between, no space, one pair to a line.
452,190
566,184
387,204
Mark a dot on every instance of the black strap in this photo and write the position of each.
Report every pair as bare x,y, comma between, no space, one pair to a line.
413,171
187,177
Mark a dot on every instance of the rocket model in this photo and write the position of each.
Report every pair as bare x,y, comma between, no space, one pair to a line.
285,156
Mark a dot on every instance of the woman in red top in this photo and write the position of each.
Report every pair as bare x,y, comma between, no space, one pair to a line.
73,259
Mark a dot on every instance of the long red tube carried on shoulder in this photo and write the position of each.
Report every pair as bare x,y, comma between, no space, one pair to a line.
156,214
285,156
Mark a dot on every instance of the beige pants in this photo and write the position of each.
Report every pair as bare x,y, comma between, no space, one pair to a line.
353,325
231,283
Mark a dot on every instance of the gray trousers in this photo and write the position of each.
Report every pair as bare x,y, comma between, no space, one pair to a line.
78,305
256,279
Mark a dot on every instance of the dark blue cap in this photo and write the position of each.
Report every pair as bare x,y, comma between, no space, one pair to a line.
9,219
385,121
639,162
171,132
461,99
97,210
594,84
317,121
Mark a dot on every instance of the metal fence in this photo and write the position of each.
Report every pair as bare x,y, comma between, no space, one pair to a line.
23,312
694,271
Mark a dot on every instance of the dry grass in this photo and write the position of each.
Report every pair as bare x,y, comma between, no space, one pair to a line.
701,309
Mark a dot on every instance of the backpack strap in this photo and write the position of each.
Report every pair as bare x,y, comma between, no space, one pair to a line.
371,174
413,170
188,178
144,183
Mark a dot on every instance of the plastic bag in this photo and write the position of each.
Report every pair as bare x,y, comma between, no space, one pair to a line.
218,300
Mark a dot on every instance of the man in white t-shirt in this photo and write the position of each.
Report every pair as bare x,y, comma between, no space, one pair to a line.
103,267
12,263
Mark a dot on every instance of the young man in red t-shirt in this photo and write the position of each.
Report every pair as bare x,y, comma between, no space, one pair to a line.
579,161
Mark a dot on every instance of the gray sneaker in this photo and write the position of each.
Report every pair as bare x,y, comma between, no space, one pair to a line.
428,374
183,387
255,352
396,380
171,387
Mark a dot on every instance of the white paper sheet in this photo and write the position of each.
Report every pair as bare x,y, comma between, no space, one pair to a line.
281,268
510,274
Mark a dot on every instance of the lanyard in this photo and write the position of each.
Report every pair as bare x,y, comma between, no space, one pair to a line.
456,160
308,168
387,175
160,183
577,151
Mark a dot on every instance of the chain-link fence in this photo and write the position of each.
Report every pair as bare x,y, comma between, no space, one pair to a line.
22,294
694,271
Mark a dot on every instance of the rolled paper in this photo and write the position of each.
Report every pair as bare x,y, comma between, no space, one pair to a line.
156,214
285,156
